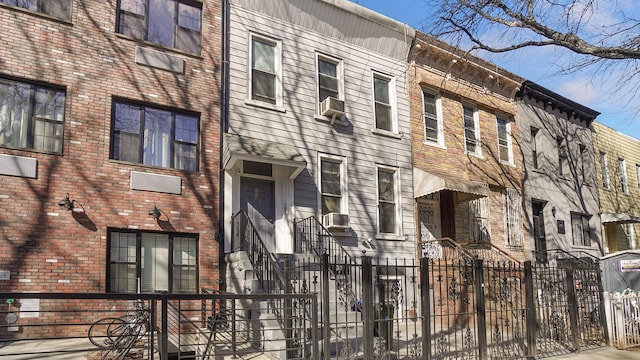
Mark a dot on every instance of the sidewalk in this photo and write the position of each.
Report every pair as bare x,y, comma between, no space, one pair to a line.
606,353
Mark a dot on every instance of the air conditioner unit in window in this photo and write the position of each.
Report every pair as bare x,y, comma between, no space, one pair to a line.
336,221
332,107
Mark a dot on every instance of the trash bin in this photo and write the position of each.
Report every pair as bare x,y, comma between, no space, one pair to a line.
384,324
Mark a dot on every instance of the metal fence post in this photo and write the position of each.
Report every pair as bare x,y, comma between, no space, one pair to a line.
314,328
480,309
573,307
531,310
367,306
603,317
164,319
426,308
288,309
326,314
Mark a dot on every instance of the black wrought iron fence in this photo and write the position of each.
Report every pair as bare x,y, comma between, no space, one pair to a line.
179,326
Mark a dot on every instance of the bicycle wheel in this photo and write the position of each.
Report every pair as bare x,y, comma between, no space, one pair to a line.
104,332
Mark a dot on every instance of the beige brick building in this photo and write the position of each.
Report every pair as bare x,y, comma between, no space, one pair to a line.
465,147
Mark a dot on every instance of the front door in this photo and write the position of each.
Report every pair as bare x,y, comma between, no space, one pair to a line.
429,219
538,231
257,199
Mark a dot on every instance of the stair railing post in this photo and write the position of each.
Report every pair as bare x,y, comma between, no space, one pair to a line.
326,312
426,308
368,307
602,305
288,308
480,309
531,310
164,319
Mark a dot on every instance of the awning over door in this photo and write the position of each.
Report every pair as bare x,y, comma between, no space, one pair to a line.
619,218
238,147
425,183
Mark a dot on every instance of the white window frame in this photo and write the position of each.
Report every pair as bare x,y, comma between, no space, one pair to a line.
476,125
638,176
396,193
278,71
512,199
509,144
479,224
392,103
535,153
344,183
563,156
604,169
440,126
624,180
583,163
339,74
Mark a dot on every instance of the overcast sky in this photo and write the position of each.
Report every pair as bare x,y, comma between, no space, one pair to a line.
541,65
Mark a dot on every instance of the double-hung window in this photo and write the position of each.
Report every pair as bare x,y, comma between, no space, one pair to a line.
471,130
562,155
638,176
432,114
265,84
604,171
580,229
31,116
388,197
505,147
57,8
152,136
513,217
479,226
384,103
149,261
333,184
170,23
534,147
329,78
622,172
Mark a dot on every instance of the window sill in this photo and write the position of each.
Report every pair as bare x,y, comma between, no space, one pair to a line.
434,144
479,156
153,167
38,14
325,119
386,133
392,237
264,105
507,163
159,47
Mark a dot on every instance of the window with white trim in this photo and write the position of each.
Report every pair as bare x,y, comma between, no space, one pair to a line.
513,217
580,229
480,228
384,103
171,23
31,116
432,115
153,136
471,130
161,261
622,172
330,78
57,8
604,171
388,196
333,185
265,83
505,146
584,163
638,176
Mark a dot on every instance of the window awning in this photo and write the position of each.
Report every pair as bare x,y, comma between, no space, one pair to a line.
619,218
238,147
426,183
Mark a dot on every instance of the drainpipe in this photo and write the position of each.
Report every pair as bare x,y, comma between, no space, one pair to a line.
224,125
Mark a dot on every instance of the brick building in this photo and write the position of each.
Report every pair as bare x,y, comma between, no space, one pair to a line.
114,104
465,147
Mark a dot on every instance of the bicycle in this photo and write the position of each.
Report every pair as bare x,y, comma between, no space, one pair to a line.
116,335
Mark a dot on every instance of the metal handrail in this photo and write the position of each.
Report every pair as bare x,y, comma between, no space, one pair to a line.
312,237
593,259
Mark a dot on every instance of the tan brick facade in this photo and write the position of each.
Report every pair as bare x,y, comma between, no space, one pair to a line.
47,248
459,80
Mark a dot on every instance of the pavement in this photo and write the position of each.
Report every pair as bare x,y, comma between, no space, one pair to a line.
81,349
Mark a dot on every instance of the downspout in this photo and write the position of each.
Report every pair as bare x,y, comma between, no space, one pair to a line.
224,125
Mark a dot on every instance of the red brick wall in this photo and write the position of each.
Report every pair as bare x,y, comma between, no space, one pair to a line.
49,249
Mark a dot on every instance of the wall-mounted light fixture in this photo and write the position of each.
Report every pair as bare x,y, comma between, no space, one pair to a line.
155,212
66,203
553,211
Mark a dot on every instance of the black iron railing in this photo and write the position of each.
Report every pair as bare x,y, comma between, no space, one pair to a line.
313,238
